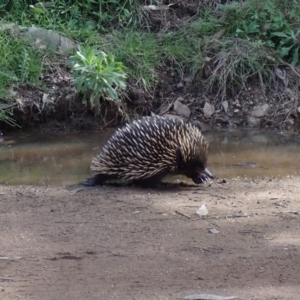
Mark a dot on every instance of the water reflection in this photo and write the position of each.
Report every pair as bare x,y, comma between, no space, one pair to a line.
253,154
53,159
65,159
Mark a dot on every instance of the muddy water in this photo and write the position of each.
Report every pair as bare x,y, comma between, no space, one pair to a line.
64,159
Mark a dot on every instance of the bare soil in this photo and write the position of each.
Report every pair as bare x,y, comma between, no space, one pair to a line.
131,243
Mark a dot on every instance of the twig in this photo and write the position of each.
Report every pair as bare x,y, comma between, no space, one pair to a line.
225,217
118,254
6,278
279,204
237,216
292,212
182,214
29,196
292,68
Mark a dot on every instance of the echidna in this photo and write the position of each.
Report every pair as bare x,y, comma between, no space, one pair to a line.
148,149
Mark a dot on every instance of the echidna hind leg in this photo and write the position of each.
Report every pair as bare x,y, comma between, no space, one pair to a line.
97,179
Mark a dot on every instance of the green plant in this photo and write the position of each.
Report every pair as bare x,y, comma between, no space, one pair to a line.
139,51
289,45
19,62
77,15
271,21
97,75
6,113
253,17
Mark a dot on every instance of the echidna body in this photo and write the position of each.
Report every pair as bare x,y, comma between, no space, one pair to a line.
148,149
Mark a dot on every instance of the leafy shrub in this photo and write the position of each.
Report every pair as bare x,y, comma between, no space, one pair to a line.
97,75
273,22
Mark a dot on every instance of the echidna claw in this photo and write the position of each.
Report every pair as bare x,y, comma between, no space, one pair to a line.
202,177
89,182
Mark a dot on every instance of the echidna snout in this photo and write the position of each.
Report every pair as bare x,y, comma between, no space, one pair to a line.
194,169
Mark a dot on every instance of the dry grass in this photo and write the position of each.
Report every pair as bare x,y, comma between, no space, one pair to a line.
231,64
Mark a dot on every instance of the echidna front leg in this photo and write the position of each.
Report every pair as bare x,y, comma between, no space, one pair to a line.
151,182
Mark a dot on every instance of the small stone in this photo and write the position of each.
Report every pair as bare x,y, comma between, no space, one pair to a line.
202,211
298,109
180,99
180,85
213,230
280,73
260,110
170,116
181,109
237,121
187,79
252,121
208,110
236,110
225,106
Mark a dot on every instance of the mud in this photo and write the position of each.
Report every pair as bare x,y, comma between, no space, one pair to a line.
130,243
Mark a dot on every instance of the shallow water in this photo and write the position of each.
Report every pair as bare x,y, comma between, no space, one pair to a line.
64,159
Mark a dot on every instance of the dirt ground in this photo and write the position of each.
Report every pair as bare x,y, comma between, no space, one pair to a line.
132,243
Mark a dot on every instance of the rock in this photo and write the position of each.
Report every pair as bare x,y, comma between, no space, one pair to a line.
225,106
236,111
298,109
280,73
49,39
180,85
260,110
237,121
187,79
290,121
181,109
180,99
208,110
202,211
207,59
252,121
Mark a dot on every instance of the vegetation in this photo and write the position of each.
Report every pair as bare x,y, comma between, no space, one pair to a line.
231,44
97,75
273,22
